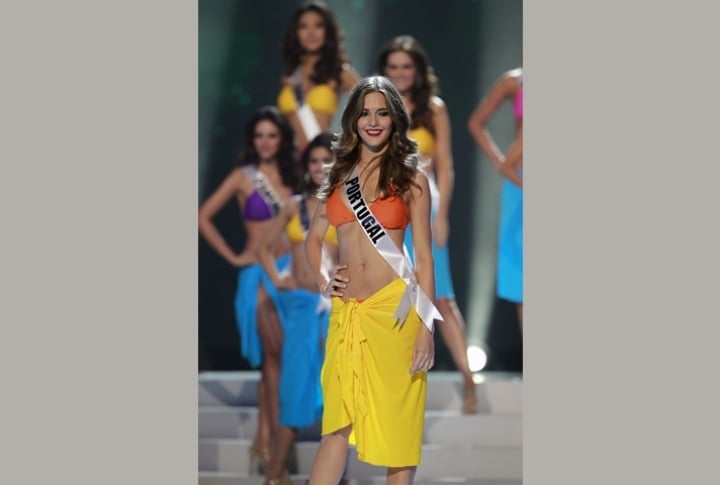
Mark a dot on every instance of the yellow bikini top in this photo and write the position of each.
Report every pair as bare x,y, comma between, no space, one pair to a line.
295,233
321,98
425,140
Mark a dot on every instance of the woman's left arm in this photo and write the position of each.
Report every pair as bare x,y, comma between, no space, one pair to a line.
419,201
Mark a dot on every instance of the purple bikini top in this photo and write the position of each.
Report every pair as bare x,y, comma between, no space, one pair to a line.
263,203
256,209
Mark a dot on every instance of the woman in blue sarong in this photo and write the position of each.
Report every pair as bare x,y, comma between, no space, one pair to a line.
267,178
303,312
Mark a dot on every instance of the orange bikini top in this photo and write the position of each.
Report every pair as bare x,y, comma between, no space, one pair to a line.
391,211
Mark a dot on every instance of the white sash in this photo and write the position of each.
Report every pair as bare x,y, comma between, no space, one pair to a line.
304,215
399,261
309,123
305,114
271,198
266,191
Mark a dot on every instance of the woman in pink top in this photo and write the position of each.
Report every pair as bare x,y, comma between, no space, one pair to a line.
510,244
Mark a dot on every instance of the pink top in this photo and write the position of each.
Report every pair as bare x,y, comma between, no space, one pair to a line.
518,104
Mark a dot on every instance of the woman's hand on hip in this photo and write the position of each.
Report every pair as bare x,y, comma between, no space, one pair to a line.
337,282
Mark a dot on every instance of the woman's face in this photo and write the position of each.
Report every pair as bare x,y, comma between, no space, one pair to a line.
401,71
374,125
267,139
319,157
311,31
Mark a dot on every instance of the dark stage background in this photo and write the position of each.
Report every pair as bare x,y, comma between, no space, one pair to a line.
470,44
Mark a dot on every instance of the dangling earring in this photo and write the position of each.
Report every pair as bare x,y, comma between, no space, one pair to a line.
307,178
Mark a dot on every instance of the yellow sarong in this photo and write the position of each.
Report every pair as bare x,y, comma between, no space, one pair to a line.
366,378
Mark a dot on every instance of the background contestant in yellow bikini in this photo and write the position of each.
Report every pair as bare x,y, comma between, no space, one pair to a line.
303,316
316,71
380,343
404,61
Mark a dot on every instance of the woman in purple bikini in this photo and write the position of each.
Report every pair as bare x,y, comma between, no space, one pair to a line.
267,178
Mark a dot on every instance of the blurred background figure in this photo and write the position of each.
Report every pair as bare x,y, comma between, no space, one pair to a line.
510,251
404,61
266,179
316,71
303,311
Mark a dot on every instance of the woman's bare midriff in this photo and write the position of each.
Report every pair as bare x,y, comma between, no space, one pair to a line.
367,270
255,230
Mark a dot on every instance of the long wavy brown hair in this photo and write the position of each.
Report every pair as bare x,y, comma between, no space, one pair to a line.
399,162
287,162
332,56
426,83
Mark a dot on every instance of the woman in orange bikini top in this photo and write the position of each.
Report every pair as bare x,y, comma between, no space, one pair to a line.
374,377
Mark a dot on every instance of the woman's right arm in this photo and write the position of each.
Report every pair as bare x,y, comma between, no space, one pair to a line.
212,205
313,251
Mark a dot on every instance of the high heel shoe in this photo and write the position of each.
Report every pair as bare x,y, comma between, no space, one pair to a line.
259,457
